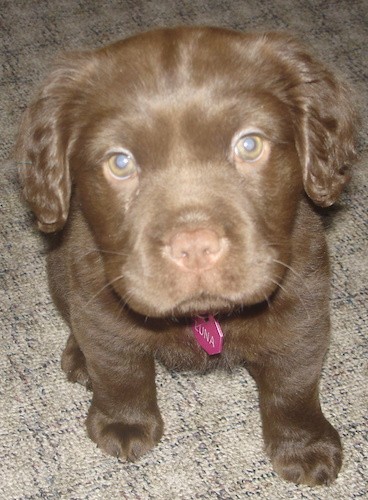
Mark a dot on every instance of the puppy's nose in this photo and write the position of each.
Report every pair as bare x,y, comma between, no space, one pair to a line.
196,250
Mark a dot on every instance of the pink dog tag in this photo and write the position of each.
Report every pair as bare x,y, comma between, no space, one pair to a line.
208,333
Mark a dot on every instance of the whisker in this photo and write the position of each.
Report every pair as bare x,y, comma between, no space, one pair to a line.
102,289
98,250
267,299
293,271
121,254
288,293
279,285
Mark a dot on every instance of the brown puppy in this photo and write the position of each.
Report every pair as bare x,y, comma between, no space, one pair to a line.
182,157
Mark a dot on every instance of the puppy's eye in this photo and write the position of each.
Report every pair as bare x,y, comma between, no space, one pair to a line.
122,165
249,147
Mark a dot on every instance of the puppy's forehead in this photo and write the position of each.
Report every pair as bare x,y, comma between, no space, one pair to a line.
206,82
183,61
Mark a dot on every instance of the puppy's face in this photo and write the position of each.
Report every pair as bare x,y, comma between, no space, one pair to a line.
190,180
188,150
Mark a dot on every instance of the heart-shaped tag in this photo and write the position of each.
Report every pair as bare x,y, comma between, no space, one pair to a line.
208,333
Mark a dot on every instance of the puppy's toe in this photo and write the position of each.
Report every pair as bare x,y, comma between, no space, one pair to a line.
123,440
317,463
73,363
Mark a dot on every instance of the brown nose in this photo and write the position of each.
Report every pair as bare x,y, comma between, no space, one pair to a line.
196,250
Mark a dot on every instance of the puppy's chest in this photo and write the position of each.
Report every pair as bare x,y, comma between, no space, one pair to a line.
185,347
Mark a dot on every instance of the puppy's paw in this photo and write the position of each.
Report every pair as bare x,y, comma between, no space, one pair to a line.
123,440
316,462
73,363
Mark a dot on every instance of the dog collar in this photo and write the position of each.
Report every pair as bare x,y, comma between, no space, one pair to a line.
208,333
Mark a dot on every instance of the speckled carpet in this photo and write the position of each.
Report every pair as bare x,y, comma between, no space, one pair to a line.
212,446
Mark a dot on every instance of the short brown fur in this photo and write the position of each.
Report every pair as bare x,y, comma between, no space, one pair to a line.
177,100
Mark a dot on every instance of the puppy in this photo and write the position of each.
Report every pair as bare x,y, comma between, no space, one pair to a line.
183,166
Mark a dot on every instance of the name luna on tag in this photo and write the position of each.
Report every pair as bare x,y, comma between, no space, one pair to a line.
207,336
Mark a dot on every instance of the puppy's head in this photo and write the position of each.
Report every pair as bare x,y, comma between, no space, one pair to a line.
188,151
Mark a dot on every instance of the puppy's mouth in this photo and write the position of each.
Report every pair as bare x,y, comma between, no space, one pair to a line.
201,306
201,294
205,304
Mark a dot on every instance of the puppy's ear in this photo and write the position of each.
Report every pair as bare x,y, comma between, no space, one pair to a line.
42,146
325,123
325,139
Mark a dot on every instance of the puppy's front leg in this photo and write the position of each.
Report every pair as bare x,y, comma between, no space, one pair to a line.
302,444
124,419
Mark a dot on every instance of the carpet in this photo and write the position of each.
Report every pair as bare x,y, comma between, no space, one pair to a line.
212,446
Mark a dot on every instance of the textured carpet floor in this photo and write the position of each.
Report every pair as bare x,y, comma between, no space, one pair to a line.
212,446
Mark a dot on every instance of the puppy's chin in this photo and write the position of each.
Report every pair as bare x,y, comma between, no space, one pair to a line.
196,306
202,304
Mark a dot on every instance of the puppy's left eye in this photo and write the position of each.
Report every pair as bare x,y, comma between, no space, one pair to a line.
122,165
249,147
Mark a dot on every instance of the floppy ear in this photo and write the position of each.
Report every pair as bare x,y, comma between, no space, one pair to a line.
42,147
325,123
325,140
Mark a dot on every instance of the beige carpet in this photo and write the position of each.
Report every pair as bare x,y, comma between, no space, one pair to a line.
212,447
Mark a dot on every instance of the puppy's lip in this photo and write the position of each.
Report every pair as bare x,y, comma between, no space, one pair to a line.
202,306
205,305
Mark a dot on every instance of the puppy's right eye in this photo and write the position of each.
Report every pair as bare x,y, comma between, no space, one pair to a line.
122,165
249,148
